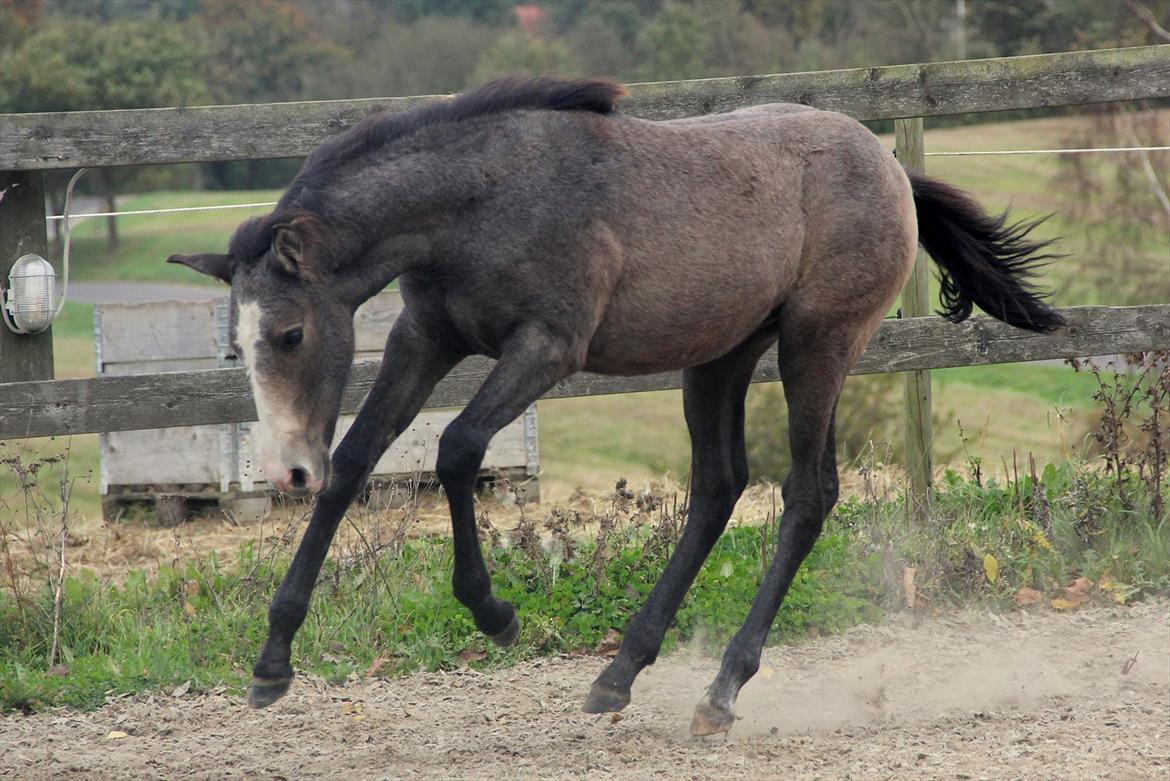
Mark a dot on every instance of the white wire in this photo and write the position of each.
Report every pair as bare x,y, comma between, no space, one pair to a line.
174,210
181,209
1052,151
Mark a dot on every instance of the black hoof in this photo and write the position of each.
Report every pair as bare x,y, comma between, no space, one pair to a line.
510,633
605,699
265,691
711,719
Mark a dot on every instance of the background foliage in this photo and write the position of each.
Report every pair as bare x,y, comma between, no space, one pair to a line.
68,55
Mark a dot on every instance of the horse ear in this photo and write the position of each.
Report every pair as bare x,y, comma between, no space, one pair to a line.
218,266
288,248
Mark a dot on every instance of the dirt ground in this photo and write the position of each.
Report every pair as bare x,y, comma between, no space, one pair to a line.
1030,695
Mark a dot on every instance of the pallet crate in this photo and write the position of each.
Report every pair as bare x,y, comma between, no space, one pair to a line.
177,469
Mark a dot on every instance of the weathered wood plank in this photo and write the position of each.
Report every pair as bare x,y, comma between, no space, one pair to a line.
22,231
372,322
911,149
173,135
33,409
156,331
187,454
130,335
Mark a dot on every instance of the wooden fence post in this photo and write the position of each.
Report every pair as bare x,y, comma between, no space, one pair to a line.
22,230
916,303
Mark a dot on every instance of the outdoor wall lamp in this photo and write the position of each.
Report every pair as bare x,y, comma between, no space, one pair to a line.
30,303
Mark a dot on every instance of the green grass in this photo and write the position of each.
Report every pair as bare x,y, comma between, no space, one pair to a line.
73,459
147,240
1049,384
73,342
204,623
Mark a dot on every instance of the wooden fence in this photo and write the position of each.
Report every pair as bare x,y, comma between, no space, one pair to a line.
32,404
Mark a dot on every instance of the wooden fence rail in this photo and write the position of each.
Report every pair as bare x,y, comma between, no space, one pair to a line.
201,133
29,409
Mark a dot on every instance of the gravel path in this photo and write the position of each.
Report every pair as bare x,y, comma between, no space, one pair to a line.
965,696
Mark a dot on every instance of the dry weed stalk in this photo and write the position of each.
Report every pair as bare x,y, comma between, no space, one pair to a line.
45,533
63,488
1133,430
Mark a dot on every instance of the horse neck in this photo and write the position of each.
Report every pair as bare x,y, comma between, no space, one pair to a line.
393,220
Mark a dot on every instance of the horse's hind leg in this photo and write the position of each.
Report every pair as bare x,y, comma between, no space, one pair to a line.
813,363
713,396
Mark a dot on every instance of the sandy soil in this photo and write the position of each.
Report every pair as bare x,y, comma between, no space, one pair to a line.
1024,696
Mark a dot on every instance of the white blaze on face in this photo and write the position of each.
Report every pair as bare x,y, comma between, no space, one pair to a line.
281,439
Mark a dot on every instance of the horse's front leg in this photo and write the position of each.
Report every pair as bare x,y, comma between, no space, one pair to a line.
411,367
531,363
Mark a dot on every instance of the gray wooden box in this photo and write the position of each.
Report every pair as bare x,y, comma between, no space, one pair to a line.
177,467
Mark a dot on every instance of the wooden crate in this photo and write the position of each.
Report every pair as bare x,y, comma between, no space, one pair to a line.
175,468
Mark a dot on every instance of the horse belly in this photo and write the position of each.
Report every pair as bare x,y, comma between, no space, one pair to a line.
654,329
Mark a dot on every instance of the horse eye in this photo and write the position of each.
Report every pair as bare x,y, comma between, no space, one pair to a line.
293,337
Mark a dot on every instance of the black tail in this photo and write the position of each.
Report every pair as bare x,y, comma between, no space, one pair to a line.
983,260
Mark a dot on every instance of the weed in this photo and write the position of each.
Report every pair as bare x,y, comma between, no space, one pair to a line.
1132,433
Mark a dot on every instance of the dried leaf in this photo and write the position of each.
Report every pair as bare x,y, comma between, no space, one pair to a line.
116,735
610,645
767,672
1121,592
990,567
181,689
1028,596
1070,601
189,609
1074,595
372,670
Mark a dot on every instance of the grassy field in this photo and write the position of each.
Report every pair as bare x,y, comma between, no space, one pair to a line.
1004,411
145,241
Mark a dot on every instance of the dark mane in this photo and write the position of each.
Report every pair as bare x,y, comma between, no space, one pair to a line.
507,94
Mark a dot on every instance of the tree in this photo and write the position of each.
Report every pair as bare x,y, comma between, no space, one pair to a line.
80,64
517,52
265,50
431,56
261,51
674,45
